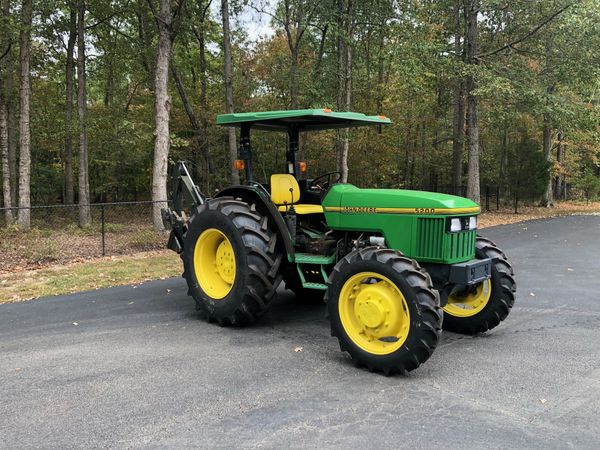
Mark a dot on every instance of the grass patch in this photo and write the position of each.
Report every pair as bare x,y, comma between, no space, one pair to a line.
95,274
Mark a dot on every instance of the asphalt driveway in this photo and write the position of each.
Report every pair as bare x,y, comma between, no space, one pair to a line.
135,366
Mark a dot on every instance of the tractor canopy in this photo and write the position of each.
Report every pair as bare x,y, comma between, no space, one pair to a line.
300,120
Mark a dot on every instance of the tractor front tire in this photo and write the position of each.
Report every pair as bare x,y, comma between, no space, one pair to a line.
383,310
488,304
231,261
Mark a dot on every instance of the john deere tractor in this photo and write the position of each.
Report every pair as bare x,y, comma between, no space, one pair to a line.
394,266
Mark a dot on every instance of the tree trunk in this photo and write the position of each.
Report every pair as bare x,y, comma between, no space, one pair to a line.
6,193
69,77
472,119
24,214
163,108
547,199
294,78
560,159
9,95
458,108
321,52
85,217
234,175
380,69
204,147
189,110
344,77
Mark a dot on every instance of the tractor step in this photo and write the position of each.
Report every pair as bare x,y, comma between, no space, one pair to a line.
309,258
319,286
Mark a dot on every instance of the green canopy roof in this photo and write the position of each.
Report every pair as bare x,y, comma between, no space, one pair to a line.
305,119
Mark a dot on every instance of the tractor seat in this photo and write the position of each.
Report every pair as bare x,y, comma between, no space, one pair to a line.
285,192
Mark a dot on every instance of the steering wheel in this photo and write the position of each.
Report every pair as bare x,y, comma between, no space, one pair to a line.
324,182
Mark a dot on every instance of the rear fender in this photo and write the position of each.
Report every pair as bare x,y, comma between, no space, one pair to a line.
267,208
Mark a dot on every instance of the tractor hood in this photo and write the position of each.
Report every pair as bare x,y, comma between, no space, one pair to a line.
347,198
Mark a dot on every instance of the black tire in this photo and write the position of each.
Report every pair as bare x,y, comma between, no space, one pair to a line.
257,257
502,297
422,299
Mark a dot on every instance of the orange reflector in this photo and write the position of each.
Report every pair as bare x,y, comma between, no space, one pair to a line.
326,110
302,166
239,164
382,117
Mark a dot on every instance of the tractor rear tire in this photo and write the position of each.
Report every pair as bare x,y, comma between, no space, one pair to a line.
383,310
494,305
231,261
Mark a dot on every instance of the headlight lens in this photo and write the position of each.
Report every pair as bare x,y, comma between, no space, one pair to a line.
457,224
473,223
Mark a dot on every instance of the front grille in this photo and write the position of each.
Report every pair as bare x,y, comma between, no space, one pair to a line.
435,244
430,238
462,245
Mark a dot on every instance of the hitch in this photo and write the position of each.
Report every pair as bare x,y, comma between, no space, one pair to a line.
184,193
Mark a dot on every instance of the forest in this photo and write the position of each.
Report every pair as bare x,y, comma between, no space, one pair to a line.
99,97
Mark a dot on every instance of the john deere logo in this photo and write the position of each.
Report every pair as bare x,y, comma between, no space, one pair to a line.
358,209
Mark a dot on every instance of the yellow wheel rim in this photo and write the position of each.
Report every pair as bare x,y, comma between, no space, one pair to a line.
214,263
470,304
374,313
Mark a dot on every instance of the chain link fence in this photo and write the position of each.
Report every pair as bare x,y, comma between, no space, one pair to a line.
55,236
126,228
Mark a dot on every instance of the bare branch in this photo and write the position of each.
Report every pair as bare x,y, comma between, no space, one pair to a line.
512,44
8,47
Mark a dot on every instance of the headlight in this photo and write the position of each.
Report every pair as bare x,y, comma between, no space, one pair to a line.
457,224
473,223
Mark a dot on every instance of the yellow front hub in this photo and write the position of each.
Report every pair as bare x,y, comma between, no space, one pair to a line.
471,303
374,313
214,263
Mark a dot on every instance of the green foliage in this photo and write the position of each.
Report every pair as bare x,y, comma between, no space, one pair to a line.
528,170
403,65
589,184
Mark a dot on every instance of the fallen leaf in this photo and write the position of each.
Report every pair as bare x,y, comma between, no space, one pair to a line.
543,400
75,323
569,269
168,291
298,349
532,294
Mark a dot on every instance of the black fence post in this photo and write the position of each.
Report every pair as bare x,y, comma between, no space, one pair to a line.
102,229
487,198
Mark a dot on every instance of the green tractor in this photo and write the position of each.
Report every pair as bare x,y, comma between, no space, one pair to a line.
389,263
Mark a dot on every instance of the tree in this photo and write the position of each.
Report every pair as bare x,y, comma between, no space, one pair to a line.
163,107
167,30
24,214
234,175
344,78
7,86
6,192
4,129
458,106
471,11
85,216
69,78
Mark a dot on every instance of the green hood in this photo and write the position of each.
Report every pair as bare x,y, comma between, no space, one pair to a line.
351,199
